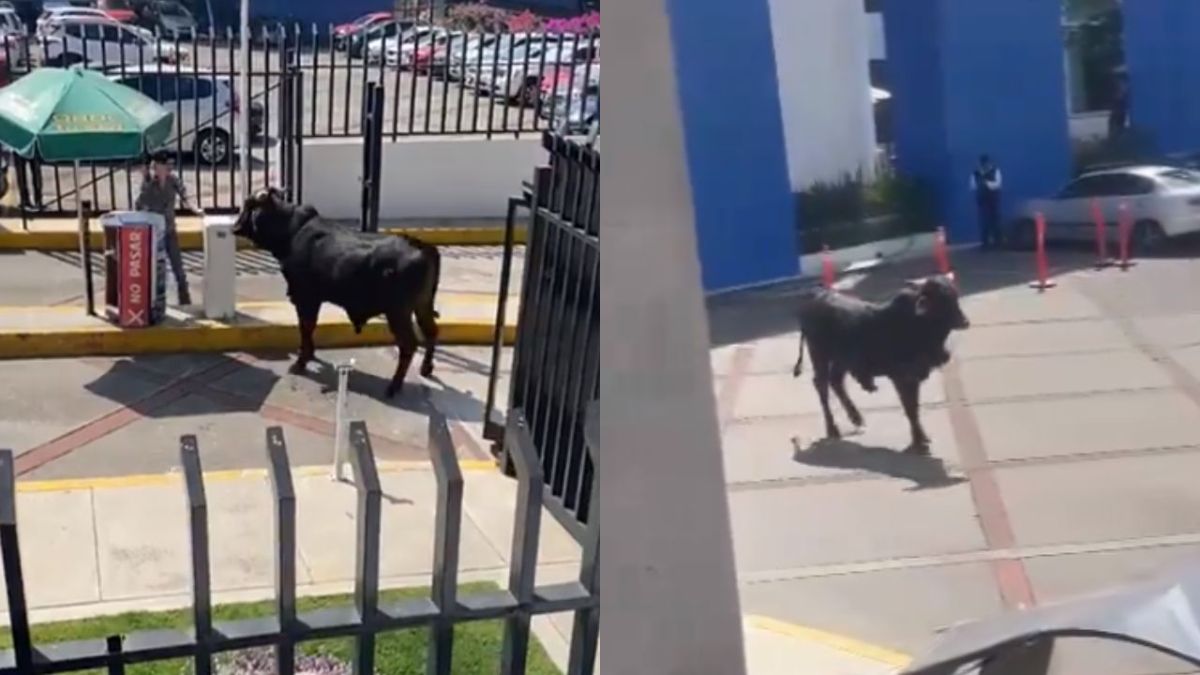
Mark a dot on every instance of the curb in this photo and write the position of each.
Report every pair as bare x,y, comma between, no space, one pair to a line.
155,479
193,240
847,645
209,336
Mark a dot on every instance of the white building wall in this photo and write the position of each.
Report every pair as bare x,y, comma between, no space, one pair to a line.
822,49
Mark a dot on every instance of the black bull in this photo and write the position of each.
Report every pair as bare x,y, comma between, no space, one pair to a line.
366,274
903,340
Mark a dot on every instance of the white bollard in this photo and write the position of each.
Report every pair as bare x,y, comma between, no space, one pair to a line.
341,417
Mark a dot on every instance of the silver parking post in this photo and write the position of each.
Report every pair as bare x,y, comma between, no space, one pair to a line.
341,418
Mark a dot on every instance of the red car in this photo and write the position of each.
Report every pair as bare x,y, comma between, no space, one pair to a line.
118,10
342,32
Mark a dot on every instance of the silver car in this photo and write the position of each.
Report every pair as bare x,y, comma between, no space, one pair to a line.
1162,201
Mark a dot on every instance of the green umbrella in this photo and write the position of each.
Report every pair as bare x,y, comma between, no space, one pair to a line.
77,115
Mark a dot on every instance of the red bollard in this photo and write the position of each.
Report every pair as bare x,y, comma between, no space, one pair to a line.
1102,259
1124,232
1043,280
940,254
827,272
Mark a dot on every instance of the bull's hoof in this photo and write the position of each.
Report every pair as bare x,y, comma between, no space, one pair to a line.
391,390
918,448
833,433
856,418
427,369
298,368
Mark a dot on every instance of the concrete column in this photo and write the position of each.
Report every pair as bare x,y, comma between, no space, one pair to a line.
733,135
822,54
976,76
669,600
1161,53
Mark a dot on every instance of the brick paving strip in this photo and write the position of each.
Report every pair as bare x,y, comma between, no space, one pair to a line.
1012,579
173,390
200,383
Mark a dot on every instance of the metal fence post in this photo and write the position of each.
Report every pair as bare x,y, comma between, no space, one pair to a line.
492,430
14,580
341,418
366,551
447,536
285,548
85,248
530,485
585,628
116,664
189,453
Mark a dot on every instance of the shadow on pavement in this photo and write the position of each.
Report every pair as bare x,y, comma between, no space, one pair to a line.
925,472
184,371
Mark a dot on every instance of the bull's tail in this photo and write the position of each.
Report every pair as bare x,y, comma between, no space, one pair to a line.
799,367
435,262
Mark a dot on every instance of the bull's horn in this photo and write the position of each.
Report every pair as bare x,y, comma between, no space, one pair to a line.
915,283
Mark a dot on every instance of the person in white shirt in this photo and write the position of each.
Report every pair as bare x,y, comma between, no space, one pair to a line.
985,183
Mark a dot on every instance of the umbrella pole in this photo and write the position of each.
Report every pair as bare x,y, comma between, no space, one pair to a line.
85,243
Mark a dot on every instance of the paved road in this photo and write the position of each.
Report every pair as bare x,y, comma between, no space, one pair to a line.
1066,448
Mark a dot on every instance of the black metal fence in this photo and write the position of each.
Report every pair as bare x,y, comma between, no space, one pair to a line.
367,618
556,358
433,82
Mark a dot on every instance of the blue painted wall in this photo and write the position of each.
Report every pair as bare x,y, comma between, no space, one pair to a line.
1162,54
733,136
974,76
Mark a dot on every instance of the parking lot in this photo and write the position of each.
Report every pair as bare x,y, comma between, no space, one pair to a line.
415,104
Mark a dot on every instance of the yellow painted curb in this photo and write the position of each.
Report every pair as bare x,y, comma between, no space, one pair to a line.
842,643
210,336
155,479
193,240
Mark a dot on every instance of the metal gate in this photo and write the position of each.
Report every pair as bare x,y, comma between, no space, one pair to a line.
199,85
556,358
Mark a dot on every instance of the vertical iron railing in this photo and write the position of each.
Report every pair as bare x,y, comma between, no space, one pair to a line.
494,84
367,618
555,364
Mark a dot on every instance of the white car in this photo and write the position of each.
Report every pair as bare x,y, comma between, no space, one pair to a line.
520,77
98,43
1162,202
399,51
56,15
203,105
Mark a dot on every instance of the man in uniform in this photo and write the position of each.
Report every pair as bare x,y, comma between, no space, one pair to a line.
985,183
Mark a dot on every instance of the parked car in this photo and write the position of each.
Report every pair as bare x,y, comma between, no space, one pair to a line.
14,36
343,32
434,55
205,107
371,44
173,20
1163,201
576,114
401,49
56,14
118,10
519,78
103,42
558,82
479,45
492,54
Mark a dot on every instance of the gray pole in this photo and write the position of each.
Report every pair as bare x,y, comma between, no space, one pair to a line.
244,95
669,598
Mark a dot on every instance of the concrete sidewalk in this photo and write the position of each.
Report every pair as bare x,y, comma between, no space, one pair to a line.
111,545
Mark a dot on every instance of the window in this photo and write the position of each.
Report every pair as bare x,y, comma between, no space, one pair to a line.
202,88
1087,186
1180,178
1130,185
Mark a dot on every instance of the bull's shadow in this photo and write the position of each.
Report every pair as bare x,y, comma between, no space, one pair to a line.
924,471
413,396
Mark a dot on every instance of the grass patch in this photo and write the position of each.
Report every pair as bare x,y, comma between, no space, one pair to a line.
477,645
